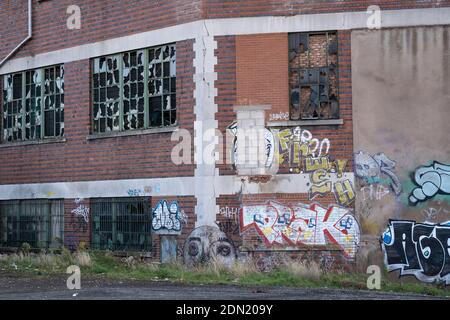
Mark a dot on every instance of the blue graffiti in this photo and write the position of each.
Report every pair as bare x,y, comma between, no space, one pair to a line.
166,217
431,180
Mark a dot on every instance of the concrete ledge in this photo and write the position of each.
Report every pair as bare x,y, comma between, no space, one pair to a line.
131,133
291,123
252,108
31,143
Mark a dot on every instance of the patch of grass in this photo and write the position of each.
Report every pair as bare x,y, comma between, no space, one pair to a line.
291,273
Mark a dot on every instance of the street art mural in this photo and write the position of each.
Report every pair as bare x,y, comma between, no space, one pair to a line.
310,225
208,243
431,180
166,218
374,168
302,153
305,154
418,249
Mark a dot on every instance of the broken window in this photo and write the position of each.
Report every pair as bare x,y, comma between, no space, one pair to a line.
313,67
33,104
135,90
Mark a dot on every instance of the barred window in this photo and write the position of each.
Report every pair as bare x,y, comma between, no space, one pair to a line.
122,224
313,80
36,222
33,104
134,90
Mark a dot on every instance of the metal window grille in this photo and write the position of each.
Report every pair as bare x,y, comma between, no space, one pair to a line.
33,104
121,224
134,90
36,222
313,75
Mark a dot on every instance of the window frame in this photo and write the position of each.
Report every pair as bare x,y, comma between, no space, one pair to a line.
41,213
114,218
327,33
146,96
23,99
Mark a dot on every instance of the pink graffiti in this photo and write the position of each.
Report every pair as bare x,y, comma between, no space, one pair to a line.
310,225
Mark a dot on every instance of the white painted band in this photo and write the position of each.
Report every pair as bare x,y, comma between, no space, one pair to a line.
161,187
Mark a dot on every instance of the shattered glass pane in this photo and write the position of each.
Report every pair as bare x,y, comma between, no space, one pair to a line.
53,103
313,59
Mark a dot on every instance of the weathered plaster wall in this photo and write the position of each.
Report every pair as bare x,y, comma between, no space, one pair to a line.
401,108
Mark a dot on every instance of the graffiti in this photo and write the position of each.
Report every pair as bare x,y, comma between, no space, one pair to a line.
279,116
431,214
166,218
229,212
135,192
326,261
306,154
230,221
81,211
374,192
208,243
419,249
432,179
269,141
372,168
303,225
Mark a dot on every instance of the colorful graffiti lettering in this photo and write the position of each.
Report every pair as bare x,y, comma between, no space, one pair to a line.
166,218
303,225
432,179
419,249
371,168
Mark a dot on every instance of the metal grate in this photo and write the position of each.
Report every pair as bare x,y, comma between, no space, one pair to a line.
121,224
36,222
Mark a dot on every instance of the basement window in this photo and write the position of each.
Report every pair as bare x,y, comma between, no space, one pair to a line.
135,90
121,224
313,76
36,222
33,104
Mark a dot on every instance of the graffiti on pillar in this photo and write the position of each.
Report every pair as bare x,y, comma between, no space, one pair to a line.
166,218
81,210
431,180
268,140
418,249
206,244
303,224
374,168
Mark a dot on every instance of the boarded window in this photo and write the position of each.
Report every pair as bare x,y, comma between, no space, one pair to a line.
33,104
313,67
134,90
36,222
121,224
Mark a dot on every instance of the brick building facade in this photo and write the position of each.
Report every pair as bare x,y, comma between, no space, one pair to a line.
126,98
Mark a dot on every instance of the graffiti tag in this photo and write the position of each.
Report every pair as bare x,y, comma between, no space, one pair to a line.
432,179
419,249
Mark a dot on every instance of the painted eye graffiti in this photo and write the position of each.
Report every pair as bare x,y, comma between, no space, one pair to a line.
194,247
224,250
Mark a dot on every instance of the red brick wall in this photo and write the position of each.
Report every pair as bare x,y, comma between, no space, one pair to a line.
76,229
226,91
246,8
262,71
100,20
78,159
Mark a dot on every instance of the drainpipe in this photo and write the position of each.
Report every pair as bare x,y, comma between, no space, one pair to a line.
30,33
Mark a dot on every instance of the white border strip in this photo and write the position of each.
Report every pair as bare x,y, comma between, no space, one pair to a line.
159,187
232,26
